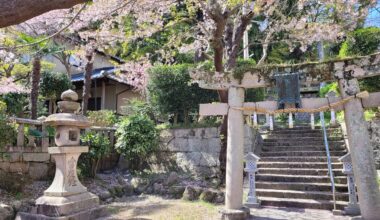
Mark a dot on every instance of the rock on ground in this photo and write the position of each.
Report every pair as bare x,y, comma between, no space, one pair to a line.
6,212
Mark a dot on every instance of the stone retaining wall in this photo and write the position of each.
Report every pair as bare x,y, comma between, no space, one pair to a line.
374,130
37,165
196,150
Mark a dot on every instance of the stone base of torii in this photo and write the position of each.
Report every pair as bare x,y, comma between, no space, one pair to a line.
346,73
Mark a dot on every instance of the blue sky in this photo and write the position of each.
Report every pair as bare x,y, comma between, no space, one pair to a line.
373,18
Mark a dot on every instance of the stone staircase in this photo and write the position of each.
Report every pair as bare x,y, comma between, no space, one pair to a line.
293,169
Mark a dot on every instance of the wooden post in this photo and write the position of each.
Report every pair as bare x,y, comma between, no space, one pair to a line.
235,150
103,95
361,152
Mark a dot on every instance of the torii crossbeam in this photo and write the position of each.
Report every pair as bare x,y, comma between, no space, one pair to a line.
346,72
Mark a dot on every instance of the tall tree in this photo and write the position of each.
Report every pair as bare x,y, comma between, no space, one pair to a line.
87,76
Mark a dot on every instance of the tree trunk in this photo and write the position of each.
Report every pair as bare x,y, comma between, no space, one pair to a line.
87,79
35,78
223,97
17,11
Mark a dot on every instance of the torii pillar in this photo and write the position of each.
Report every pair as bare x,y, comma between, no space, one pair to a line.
361,152
235,157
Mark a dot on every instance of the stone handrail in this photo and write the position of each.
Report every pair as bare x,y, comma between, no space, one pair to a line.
107,131
38,125
44,142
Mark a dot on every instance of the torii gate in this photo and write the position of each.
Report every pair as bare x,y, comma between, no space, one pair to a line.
346,72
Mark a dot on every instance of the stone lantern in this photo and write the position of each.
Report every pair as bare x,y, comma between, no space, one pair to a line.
67,198
353,206
251,167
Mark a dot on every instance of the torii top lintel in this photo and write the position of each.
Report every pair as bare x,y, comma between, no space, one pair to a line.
262,76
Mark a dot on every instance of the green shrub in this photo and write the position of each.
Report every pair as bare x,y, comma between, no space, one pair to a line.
172,94
16,103
99,146
102,118
54,84
137,106
7,131
137,138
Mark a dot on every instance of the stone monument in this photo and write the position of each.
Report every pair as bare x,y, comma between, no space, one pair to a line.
66,198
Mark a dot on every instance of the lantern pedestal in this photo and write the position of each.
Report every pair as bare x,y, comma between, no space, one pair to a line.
66,195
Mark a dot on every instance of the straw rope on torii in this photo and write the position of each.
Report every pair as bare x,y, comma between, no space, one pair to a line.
361,95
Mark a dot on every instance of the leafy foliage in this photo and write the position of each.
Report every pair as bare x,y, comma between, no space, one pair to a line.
137,137
54,84
99,146
16,103
102,118
171,91
137,106
363,41
7,131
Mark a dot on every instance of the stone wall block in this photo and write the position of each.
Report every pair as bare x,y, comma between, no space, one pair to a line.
38,171
181,144
211,132
200,132
12,157
166,136
183,133
5,166
36,157
19,167
374,130
195,145
209,160
213,145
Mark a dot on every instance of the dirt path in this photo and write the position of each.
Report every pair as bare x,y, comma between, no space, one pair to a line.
156,208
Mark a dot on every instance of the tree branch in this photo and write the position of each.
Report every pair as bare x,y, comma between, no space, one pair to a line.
51,36
17,11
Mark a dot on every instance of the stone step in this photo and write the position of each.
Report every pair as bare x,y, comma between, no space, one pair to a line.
303,148
300,186
301,139
300,135
294,194
308,139
300,171
301,153
301,143
302,203
334,159
305,165
303,130
299,178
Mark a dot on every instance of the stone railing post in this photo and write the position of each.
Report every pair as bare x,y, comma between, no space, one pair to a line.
291,125
312,121
353,206
251,167
20,135
271,126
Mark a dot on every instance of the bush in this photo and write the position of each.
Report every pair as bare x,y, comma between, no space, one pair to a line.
99,146
54,84
137,138
137,106
171,92
102,118
16,103
7,131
